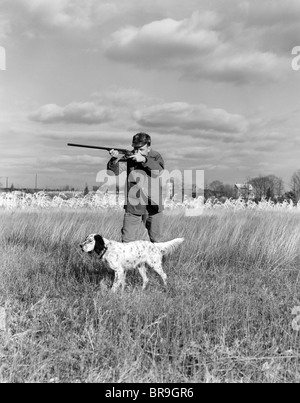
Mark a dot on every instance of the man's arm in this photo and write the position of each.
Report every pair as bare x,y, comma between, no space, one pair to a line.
155,163
114,165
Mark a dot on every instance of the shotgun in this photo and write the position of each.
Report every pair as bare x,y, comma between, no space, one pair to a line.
124,151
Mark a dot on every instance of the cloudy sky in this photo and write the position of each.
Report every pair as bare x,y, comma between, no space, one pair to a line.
211,82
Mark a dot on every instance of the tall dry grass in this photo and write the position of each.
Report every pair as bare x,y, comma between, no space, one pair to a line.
224,317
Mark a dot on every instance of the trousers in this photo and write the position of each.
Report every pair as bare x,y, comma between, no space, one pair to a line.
132,225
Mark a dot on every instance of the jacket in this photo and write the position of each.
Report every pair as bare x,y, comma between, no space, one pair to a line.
143,189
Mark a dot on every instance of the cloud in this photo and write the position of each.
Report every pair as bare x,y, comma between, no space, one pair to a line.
272,12
167,39
199,47
66,14
65,160
5,27
181,116
273,25
237,67
76,112
123,97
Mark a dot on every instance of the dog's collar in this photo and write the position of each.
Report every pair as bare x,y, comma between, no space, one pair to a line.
102,252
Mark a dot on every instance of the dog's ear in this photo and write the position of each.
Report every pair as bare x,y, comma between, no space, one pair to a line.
99,244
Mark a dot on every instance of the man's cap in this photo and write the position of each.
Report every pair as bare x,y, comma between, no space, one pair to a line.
140,139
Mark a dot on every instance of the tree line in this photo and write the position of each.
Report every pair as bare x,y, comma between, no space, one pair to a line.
269,186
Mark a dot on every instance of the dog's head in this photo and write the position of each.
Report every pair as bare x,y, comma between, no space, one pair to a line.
93,242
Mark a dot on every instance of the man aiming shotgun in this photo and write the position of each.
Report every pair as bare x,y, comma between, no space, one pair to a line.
143,193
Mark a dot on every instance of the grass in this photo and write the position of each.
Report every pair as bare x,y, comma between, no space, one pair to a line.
225,316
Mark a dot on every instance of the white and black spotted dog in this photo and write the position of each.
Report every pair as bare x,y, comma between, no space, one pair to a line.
122,257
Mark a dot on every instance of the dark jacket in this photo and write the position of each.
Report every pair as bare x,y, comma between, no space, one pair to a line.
144,195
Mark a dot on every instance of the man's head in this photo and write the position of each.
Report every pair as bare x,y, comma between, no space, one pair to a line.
141,142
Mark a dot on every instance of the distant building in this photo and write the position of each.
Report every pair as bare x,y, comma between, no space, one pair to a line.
245,190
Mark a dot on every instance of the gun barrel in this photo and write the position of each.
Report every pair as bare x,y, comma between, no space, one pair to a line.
121,150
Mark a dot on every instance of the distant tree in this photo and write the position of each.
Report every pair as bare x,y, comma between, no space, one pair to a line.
277,186
217,187
261,185
267,186
295,184
288,196
270,194
12,188
86,190
229,191
208,194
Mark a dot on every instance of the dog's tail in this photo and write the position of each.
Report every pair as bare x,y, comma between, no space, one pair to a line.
168,247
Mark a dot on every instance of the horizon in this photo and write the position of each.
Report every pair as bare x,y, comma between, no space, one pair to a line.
215,84
110,186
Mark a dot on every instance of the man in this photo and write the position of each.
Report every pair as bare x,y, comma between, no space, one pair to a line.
143,193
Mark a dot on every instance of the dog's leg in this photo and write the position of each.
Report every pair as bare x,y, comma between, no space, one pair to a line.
123,280
159,270
143,272
119,280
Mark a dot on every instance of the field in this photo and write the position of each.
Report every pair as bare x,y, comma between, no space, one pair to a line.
226,315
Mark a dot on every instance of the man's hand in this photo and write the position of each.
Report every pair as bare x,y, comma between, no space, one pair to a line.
138,157
114,153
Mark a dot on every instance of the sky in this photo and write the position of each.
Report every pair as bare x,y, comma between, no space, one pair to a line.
211,82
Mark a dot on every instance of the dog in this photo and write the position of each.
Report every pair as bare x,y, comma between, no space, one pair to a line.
122,257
